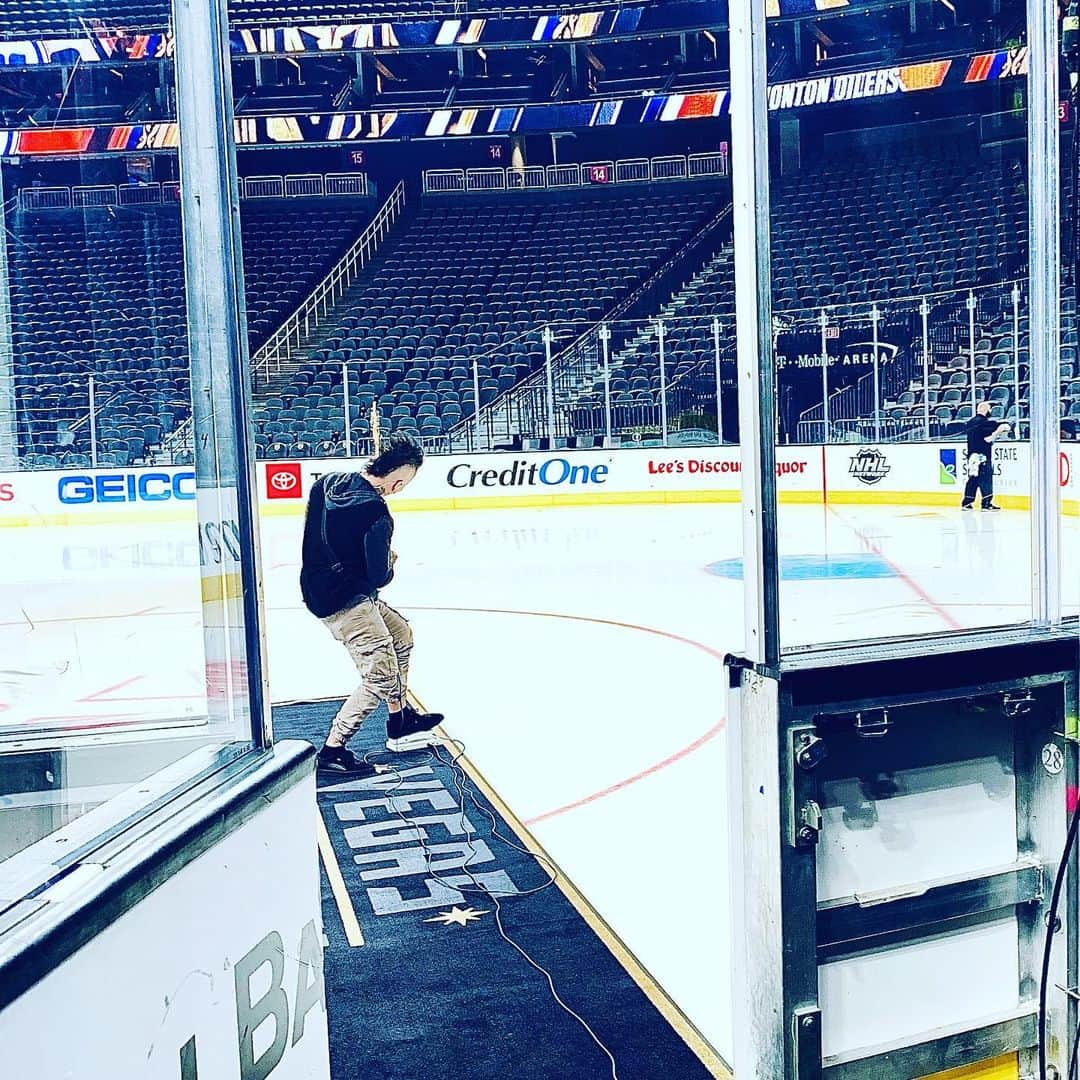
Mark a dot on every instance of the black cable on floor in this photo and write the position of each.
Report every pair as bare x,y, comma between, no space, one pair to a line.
455,752
1072,1053
1055,900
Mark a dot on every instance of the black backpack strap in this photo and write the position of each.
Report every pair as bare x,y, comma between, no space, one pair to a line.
335,563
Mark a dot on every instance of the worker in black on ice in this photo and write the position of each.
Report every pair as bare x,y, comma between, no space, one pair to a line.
981,433
347,559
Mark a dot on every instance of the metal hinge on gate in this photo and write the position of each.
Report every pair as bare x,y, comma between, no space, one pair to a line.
808,827
1014,705
810,751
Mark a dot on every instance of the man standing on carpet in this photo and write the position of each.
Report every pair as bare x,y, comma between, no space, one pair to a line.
347,559
981,433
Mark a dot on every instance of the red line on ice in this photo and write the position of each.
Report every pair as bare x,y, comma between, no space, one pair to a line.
651,770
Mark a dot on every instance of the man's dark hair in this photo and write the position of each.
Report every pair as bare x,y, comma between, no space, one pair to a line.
396,451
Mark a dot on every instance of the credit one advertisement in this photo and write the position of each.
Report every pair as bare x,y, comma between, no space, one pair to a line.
561,477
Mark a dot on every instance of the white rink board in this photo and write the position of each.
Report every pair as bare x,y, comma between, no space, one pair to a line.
930,473
602,594
175,967
563,477
933,473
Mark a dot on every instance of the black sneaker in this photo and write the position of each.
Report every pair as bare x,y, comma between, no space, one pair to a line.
966,506
339,761
413,731
991,507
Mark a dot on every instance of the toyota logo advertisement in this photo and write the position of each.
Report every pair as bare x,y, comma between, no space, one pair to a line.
284,481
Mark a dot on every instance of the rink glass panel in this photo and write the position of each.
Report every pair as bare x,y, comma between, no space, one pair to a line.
107,566
900,301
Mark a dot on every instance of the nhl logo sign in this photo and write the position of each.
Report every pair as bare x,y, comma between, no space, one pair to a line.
869,466
284,481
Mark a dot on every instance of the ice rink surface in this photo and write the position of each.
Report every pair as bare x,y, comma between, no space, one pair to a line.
577,653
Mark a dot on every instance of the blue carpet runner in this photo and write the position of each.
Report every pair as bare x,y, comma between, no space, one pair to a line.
435,993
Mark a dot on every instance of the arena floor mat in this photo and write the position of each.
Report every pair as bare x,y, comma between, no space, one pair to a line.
420,982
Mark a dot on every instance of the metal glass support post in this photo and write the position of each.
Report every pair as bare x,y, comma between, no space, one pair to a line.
9,439
232,607
754,336
605,350
875,316
759,961
972,303
1044,245
755,779
824,377
476,399
348,408
660,334
550,386
92,392
924,310
1016,357
719,382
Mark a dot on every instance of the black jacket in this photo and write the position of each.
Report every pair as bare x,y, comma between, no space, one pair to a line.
979,429
355,564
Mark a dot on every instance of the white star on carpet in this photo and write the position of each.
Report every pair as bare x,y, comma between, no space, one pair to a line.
457,916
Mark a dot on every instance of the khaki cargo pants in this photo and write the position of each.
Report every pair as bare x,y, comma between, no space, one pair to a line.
379,640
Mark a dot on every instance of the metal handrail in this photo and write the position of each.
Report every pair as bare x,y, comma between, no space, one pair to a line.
855,401
681,167
279,349
566,358
88,196
566,361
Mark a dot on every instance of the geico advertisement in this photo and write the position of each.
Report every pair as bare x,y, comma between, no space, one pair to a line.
102,489
134,486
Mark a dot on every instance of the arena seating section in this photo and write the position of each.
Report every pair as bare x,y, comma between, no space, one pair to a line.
689,355
476,277
907,226
467,279
104,294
